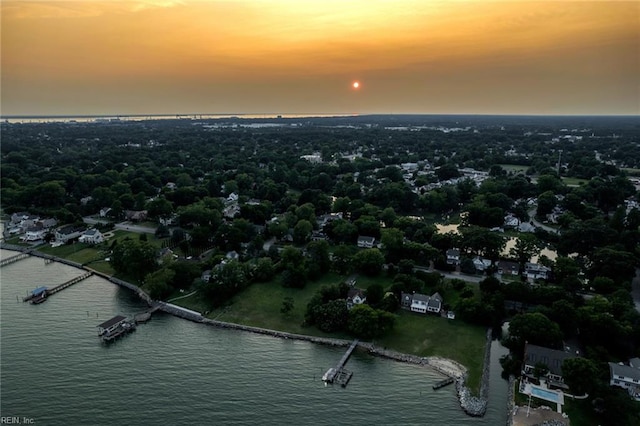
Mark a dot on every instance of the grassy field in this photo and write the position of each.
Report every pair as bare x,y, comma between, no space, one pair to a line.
571,181
435,336
260,304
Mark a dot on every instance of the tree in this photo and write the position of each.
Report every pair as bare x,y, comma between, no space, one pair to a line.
264,270
287,305
375,293
134,258
369,261
342,258
368,323
534,328
302,231
527,246
318,257
578,374
158,284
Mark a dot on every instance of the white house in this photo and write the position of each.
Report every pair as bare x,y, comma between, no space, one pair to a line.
434,305
91,236
419,303
453,256
355,296
366,242
104,211
481,263
535,271
35,233
626,377
68,233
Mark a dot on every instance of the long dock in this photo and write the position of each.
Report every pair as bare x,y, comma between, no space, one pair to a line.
339,374
13,259
61,287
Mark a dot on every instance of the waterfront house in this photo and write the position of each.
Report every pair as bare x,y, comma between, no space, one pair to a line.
434,305
626,377
91,236
551,358
67,233
34,233
419,303
366,242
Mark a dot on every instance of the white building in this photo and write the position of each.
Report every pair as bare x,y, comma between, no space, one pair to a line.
91,236
626,377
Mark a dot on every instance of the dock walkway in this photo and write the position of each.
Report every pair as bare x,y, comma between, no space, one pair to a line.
61,287
13,259
339,374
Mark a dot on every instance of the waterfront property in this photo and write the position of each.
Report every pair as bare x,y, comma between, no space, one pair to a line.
40,294
421,303
626,377
114,328
339,374
552,358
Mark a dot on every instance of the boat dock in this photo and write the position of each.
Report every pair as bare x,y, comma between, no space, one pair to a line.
42,293
339,374
13,259
114,328
443,383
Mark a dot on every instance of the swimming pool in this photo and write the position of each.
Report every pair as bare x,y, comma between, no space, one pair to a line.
545,394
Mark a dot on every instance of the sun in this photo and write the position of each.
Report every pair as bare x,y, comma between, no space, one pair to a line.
356,85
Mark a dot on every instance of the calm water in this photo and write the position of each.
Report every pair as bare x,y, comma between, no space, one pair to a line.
171,371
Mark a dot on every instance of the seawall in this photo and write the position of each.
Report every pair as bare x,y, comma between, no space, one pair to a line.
471,405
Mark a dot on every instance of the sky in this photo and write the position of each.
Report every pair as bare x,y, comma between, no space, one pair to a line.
303,56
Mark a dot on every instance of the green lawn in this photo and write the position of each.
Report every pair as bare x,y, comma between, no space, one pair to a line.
435,336
77,252
571,181
259,305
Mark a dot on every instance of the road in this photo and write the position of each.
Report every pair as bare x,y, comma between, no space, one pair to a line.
532,217
125,226
451,275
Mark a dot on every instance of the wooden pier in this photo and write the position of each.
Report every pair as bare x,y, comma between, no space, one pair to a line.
13,259
60,287
339,374
443,383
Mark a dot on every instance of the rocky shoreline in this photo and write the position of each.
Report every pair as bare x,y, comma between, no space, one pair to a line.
471,405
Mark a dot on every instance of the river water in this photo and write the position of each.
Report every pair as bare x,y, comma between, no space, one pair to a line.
55,371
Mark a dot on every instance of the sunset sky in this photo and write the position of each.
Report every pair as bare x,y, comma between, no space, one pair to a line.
303,56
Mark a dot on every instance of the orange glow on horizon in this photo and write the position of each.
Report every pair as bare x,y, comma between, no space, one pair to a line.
416,56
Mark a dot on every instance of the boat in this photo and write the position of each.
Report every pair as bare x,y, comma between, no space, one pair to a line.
38,299
329,375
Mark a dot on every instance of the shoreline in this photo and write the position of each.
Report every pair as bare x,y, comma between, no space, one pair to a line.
474,406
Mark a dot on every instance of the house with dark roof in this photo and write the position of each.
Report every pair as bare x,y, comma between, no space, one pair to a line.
67,233
551,358
366,242
626,377
91,236
507,267
453,256
434,304
421,303
355,296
